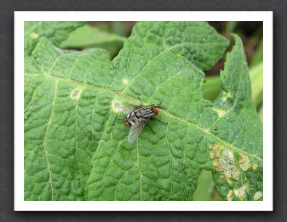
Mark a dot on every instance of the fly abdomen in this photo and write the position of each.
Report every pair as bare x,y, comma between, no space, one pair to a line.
132,119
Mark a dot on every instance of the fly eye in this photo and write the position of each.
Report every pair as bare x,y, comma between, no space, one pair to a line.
155,111
126,123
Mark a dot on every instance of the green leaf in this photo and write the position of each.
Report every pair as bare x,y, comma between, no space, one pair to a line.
76,149
88,36
258,56
61,131
205,187
211,87
55,31
230,26
237,154
256,76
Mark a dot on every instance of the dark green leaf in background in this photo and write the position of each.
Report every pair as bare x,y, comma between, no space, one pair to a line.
87,36
76,149
96,37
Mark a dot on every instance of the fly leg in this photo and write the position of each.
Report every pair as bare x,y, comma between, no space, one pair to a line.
159,120
150,128
140,100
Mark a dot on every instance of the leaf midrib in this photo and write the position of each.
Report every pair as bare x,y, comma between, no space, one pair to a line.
46,136
163,111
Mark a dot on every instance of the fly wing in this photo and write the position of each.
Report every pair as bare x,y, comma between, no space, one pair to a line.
123,107
136,130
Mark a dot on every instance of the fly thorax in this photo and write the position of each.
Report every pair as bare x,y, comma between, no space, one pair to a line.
146,112
138,113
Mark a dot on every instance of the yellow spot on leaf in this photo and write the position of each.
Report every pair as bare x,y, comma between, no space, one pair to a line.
117,106
34,36
226,95
258,195
125,81
219,112
76,94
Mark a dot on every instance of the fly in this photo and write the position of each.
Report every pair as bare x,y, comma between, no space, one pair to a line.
137,117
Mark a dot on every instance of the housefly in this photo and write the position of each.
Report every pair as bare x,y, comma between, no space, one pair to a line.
137,117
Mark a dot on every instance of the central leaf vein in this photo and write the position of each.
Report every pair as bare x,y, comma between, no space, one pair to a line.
163,111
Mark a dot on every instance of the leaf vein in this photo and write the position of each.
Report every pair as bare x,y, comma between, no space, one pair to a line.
45,138
154,58
166,113
210,134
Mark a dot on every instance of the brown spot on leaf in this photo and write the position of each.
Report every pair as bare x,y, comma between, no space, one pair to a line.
254,167
245,162
216,146
229,195
217,166
215,154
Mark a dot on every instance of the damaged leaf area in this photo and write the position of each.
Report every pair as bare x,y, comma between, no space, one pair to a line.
77,149
234,171
237,164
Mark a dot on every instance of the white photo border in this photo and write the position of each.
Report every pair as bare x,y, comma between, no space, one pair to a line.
21,205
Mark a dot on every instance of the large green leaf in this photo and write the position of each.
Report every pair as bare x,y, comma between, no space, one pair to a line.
76,149
55,31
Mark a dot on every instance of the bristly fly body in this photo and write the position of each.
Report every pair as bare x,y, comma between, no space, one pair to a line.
137,117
